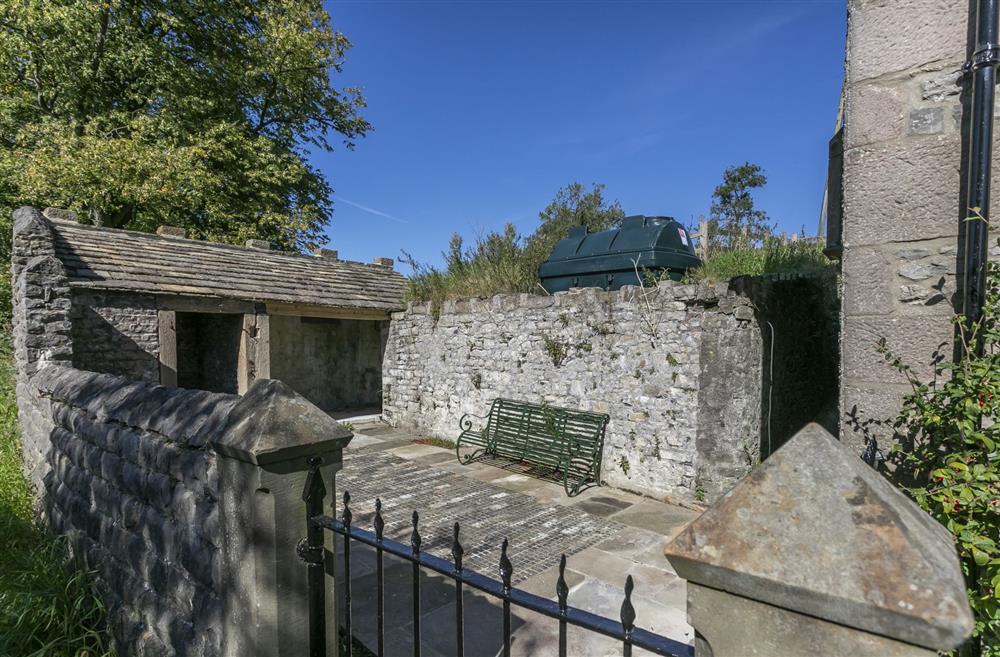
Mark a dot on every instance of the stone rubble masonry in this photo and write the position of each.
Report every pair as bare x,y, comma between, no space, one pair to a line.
41,296
902,205
130,479
116,334
678,369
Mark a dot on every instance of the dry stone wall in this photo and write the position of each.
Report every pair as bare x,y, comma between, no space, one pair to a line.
677,367
128,476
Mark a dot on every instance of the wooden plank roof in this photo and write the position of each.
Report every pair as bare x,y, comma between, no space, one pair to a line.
111,259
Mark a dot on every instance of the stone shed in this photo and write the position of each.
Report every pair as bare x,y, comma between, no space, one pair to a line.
199,315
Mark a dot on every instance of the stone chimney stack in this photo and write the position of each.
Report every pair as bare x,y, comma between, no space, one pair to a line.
384,262
171,231
262,245
320,252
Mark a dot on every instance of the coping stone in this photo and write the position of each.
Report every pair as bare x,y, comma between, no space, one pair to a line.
272,423
815,530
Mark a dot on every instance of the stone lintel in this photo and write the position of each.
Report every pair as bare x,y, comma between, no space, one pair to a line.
816,531
275,427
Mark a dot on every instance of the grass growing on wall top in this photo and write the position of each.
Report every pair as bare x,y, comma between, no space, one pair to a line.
772,257
48,608
501,266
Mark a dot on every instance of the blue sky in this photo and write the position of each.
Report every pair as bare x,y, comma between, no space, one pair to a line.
483,110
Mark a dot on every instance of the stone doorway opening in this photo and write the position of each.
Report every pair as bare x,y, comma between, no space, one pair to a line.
208,350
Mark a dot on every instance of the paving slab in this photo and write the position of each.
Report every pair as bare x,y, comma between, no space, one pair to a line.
518,482
602,505
665,519
638,546
544,583
414,451
605,599
434,459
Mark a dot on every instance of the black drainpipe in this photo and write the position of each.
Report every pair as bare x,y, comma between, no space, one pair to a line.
983,66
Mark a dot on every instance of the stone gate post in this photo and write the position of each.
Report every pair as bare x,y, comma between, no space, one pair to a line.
815,553
264,457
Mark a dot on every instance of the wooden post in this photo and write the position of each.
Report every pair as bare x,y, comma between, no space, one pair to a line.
168,347
703,237
254,360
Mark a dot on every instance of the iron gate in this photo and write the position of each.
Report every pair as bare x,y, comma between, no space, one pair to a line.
311,551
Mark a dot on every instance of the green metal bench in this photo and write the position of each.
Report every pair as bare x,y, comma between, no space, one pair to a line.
562,440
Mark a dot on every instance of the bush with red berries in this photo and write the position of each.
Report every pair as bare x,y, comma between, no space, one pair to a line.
946,456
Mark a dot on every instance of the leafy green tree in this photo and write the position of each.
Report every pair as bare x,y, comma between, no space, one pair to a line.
201,114
734,221
573,205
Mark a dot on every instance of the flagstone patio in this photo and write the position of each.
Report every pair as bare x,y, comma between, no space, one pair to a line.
606,535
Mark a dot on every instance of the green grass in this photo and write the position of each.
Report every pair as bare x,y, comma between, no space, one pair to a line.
771,258
48,607
436,442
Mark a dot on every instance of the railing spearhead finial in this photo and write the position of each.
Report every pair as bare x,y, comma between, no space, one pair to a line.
415,539
506,567
628,611
457,551
562,588
348,515
379,521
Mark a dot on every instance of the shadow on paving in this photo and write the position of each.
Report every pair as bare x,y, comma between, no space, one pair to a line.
532,634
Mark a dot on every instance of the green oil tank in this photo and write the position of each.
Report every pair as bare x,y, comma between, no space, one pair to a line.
652,245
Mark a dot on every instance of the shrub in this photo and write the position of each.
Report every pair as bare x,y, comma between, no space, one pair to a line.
497,263
946,456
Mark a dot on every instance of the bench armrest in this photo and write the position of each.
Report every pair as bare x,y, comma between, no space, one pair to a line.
465,423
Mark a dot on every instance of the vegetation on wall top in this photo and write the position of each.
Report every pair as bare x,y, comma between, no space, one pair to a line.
505,262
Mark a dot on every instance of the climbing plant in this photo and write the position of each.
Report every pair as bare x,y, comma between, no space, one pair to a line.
946,456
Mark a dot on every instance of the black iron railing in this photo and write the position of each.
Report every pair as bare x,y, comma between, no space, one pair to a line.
311,551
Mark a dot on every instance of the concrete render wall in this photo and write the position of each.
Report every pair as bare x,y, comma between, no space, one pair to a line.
335,363
678,369
902,203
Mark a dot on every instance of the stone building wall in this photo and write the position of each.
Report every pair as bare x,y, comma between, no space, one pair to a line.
129,478
902,203
116,334
677,369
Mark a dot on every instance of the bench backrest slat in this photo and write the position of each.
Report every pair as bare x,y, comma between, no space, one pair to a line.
519,429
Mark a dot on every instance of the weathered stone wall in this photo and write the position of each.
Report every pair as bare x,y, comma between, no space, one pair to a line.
677,368
129,478
116,334
902,204
40,296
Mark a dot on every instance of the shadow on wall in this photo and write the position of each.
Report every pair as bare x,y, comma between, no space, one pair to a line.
131,481
799,321
101,345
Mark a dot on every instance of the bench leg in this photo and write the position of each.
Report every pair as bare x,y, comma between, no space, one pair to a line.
589,476
466,460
